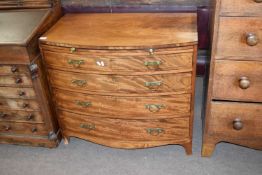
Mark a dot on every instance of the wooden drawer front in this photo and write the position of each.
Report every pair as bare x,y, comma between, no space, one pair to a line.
13,70
22,128
241,8
246,115
121,84
16,104
21,116
119,129
89,63
122,107
15,80
238,80
10,92
232,39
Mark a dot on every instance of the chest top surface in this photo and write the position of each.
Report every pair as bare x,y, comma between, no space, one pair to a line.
18,26
123,31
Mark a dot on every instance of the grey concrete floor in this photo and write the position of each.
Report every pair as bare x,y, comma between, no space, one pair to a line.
85,158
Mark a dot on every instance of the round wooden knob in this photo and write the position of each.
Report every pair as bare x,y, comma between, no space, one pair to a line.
34,130
7,128
238,124
18,80
252,39
244,83
25,105
258,1
2,115
14,69
30,117
21,93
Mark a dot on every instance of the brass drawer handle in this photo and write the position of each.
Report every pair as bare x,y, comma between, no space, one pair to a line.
258,1
72,49
252,39
80,83
151,52
244,83
153,84
76,63
154,107
89,127
152,63
238,124
83,104
155,131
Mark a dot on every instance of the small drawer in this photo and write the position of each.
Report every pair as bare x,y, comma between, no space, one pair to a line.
21,116
140,84
236,120
14,70
238,80
240,43
125,130
22,128
21,80
122,107
241,8
11,92
17,104
116,63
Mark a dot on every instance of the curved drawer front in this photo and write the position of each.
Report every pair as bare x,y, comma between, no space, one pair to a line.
13,70
16,80
121,84
123,107
242,43
236,120
10,92
238,80
105,63
22,128
20,116
241,8
118,129
16,104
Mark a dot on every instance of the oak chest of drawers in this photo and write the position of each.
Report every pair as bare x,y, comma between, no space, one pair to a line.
234,96
123,80
26,117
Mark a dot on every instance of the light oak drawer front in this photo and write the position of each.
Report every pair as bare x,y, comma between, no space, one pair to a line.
161,83
241,8
22,128
238,80
119,129
21,116
10,92
93,63
240,38
15,80
13,70
236,120
123,107
17,104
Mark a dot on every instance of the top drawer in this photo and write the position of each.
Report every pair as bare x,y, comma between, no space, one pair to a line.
81,60
240,38
241,8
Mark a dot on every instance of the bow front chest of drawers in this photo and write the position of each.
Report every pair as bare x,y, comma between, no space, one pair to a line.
123,80
234,98
26,117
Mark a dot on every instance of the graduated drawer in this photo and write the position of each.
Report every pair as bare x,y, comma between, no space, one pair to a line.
123,107
240,38
18,104
236,120
16,80
139,84
241,7
14,70
238,80
116,63
21,116
22,128
125,130
12,92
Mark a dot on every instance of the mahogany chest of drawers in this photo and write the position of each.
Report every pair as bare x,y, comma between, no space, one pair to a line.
26,117
234,97
123,80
